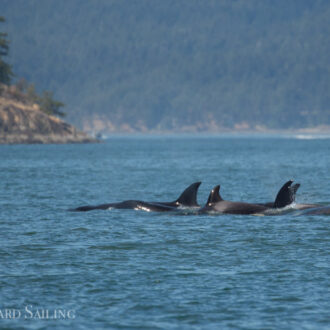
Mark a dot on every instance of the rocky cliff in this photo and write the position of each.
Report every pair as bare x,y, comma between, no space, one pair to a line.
21,121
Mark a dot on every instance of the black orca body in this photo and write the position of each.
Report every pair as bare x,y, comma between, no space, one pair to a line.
215,203
188,198
129,204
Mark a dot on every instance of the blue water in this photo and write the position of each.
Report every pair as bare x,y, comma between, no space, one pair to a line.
126,269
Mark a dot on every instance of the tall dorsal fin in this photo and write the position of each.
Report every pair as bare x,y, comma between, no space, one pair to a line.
286,194
294,189
189,195
214,196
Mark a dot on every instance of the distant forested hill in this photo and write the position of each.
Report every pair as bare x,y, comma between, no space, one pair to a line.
176,64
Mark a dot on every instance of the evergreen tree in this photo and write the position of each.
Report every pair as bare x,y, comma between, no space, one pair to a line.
49,105
5,69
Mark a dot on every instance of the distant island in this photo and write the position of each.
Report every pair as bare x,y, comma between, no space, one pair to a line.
22,121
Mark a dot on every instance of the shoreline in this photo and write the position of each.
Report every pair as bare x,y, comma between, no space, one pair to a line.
301,132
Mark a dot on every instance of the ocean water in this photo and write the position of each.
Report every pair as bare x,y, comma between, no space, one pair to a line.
127,269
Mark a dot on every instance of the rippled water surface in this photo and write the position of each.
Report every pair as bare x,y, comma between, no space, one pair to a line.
132,269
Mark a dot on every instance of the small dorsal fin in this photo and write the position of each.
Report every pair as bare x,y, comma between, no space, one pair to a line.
214,196
189,195
286,194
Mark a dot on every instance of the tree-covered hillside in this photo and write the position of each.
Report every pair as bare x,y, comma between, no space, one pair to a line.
171,64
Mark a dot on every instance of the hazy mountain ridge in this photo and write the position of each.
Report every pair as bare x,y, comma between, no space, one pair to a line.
177,65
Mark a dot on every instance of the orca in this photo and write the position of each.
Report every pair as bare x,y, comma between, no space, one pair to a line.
188,198
290,195
215,202
129,204
285,196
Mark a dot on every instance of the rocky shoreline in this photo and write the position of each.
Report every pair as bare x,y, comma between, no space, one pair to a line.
24,122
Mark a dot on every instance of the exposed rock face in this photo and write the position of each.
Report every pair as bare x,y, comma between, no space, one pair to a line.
23,122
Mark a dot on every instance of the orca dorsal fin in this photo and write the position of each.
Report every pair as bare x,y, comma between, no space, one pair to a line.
189,195
294,189
286,194
214,196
